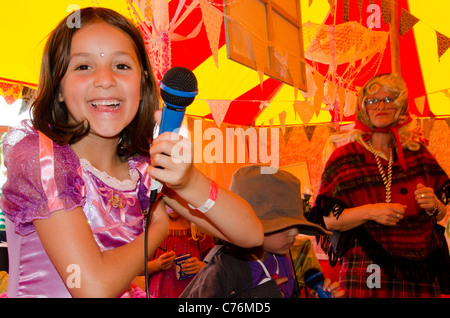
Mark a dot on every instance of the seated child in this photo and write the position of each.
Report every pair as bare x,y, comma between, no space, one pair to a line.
265,271
182,238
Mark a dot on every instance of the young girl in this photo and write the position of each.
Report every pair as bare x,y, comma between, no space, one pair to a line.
79,173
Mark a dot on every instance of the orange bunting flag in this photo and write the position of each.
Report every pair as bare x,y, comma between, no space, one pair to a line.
260,52
212,18
360,5
11,91
420,103
407,21
218,109
443,44
305,110
346,7
351,101
318,97
287,134
386,11
427,126
309,131
294,69
282,118
447,120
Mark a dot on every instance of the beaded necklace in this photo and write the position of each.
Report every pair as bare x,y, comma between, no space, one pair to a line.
386,180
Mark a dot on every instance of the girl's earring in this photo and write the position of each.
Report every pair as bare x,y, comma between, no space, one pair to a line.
60,98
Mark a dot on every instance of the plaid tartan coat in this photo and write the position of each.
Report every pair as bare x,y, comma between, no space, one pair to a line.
408,253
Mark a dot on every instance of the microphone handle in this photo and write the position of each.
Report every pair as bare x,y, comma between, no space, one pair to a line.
321,292
171,118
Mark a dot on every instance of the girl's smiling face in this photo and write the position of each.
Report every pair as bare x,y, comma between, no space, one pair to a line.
103,79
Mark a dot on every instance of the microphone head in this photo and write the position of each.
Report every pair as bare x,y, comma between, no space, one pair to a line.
179,86
313,277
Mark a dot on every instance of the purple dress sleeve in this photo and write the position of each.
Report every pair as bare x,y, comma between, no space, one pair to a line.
43,177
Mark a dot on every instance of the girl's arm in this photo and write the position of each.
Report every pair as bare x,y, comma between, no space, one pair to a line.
231,218
68,240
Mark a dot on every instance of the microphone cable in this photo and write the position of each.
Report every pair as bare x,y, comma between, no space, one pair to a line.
153,195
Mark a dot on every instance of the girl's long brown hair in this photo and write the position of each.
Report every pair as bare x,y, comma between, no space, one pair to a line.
51,117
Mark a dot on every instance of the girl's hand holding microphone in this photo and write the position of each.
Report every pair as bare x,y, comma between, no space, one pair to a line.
173,153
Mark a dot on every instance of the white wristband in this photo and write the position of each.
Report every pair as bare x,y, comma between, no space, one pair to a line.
213,192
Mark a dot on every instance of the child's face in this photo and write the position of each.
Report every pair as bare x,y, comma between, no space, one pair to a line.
280,242
102,82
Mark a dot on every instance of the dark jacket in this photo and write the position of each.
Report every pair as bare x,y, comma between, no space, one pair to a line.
227,274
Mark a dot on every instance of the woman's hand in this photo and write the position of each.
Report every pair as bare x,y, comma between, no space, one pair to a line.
386,213
425,197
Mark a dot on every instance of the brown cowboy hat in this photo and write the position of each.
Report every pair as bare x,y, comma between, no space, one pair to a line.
275,197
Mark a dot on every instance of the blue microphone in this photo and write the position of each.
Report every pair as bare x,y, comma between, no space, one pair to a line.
178,90
314,279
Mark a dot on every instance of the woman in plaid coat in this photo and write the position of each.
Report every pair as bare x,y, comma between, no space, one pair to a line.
382,195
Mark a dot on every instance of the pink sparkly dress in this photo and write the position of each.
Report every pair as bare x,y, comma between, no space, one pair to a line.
44,177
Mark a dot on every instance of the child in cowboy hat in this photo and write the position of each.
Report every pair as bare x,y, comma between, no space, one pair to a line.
264,271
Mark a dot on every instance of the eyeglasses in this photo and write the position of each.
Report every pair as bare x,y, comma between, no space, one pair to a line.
373,103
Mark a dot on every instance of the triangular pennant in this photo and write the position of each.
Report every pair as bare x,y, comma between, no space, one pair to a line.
212,18
332,4
446,92
346,7
10,92
260,52
305,110
282,117
420,103
331,91
309,131
407,21
318,97
294,69
386,10
447,120
218,109
427,126
350,103
443,43
360,6
287,134
310,83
